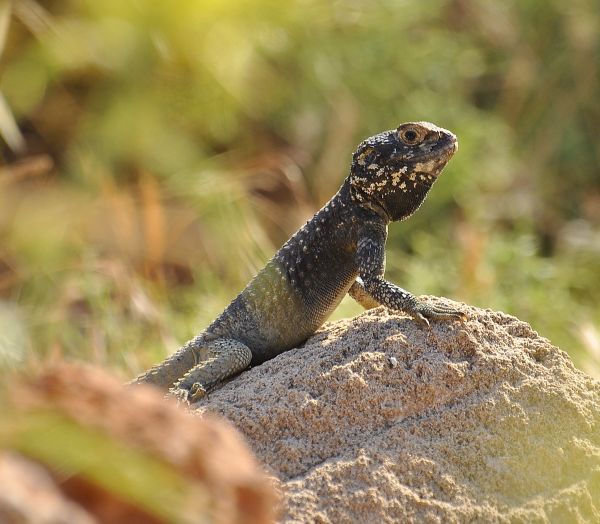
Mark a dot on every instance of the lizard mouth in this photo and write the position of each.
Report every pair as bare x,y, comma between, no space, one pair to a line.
443,154
430,166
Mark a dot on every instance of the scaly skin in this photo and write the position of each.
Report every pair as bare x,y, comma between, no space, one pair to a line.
340,250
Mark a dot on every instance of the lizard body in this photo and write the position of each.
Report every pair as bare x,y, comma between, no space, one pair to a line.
340,250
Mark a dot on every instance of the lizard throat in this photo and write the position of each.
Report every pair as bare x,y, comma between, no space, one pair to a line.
393,206
400,205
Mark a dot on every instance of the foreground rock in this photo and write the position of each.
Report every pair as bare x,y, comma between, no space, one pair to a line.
376,419
81,448
30,495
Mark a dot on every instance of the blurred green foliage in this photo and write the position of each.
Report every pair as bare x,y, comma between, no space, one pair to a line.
156,154
138,478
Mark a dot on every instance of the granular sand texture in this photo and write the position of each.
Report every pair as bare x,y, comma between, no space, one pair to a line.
378,419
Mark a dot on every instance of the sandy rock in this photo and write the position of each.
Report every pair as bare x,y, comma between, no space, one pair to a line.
376,419
125,455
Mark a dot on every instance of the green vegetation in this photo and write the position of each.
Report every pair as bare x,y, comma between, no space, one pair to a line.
155,155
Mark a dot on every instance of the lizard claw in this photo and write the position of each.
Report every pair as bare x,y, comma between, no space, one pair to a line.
421,319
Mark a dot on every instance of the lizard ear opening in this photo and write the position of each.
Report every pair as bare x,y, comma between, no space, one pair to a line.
366,156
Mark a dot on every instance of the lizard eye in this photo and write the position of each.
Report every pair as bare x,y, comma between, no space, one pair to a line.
410,136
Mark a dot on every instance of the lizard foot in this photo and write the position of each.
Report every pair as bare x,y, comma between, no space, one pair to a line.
188,395
197,391
423,313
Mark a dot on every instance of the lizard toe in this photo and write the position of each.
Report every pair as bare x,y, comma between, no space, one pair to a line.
179,394
197,391
431,312
449,313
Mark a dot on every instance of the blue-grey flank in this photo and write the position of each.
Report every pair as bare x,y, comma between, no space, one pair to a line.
340,250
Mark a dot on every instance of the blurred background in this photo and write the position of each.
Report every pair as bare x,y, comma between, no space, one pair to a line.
154,155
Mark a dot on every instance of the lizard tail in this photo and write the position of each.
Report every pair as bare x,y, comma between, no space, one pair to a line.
166,373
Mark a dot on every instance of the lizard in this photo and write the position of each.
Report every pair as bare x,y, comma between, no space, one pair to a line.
340,250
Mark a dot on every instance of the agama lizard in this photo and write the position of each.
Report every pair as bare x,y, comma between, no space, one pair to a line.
340,250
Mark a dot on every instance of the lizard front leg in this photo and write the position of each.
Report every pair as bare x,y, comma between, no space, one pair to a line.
224,358
370,259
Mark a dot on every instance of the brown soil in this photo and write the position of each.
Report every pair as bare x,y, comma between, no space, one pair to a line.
376,419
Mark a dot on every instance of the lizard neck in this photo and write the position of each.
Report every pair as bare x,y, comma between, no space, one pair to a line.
356,199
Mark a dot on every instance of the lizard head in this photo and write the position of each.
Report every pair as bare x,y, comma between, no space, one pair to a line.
392,172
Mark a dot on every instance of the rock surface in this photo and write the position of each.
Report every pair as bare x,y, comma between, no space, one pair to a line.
376,419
